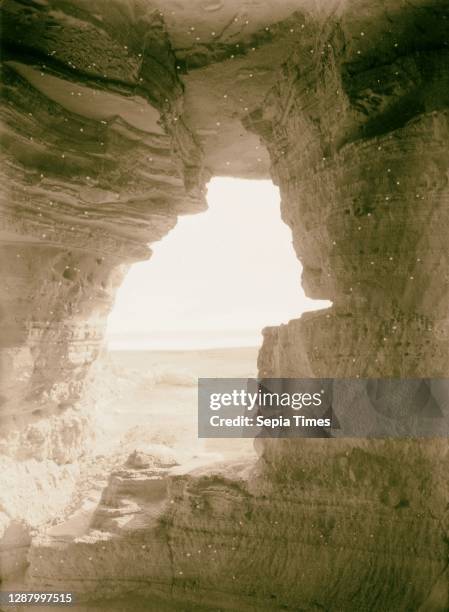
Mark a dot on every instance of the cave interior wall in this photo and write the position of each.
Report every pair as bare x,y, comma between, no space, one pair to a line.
114,117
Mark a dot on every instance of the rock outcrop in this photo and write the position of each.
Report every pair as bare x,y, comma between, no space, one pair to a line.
98,163
115,116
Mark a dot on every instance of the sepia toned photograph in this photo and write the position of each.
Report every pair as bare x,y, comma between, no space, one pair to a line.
224,305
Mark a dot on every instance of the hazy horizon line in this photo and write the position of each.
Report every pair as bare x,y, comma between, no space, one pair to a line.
183,339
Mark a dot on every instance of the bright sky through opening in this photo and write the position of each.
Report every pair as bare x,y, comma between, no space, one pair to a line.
216,279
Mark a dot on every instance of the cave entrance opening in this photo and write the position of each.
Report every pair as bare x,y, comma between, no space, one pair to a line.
196,309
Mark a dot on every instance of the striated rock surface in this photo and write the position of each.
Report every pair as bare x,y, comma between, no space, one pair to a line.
156,535
357,131
322,536
98,162
114,116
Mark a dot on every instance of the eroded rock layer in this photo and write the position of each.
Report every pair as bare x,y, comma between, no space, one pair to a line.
321,536
115,114
98,164
357,131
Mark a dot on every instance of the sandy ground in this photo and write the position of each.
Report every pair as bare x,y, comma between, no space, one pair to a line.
153,397
147,399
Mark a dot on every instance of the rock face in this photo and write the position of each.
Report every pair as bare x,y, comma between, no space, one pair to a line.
114,117
320,536
98,163
357,137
